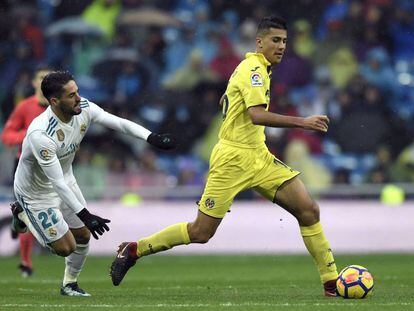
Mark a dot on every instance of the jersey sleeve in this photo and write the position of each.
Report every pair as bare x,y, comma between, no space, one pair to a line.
14,130
252,87
44,150
100,116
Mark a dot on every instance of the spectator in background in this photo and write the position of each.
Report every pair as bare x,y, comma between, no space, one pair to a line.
207,33
229,25
86,54
23,87
152,59
313,173
341,103
128,83
27,30
303,43
383,171
333,41
366,26
334,11
403,169
225,61
377,19
377,70
402,29
146,172
342,66
13,135
91,171
153,111
245,42
189,172
295,71
21,47
190,75
208,45
103,13
354,20
371,120
177,51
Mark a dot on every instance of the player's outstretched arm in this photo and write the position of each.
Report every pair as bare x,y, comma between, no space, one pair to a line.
260,116
161,141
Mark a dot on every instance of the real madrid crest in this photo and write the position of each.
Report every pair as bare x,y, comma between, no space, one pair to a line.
83,128
60,135
52,232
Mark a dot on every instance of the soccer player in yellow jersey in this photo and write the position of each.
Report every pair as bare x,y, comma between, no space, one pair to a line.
241,160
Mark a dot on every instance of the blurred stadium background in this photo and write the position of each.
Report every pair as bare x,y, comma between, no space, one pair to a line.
165,64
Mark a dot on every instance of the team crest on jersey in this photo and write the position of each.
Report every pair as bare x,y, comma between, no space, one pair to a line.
83,128
256,79
52,232
60,135
45,154
210,203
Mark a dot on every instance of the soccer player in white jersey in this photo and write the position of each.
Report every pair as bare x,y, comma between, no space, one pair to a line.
49,201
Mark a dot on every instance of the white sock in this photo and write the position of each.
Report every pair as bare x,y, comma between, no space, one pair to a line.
74,263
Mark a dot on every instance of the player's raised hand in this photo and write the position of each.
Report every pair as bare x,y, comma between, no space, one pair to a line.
316,123
94,223
163,141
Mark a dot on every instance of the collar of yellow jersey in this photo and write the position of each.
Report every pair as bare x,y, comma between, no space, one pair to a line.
260,57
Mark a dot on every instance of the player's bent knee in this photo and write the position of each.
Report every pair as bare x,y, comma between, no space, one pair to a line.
314,210
82,235
200,236
65,250
309,215
311,208
200,239
84,238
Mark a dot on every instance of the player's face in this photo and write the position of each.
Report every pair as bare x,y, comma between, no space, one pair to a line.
69,101
272,45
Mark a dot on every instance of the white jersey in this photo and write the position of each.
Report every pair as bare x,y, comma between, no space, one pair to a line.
44,172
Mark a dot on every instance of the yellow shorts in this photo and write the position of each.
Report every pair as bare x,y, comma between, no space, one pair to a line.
234,169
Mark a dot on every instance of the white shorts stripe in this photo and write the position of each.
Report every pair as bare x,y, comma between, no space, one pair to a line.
33,220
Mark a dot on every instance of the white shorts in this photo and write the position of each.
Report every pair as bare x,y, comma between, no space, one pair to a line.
49,224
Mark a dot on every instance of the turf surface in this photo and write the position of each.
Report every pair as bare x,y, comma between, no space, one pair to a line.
206,283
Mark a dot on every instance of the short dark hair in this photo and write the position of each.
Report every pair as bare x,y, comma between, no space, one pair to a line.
52,84
272,21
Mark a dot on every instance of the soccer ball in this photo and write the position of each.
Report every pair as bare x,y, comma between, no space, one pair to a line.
355,282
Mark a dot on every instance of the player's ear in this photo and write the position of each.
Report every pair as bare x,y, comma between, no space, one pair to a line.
53,100
259,42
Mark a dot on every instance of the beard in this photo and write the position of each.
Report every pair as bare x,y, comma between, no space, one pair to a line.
71,111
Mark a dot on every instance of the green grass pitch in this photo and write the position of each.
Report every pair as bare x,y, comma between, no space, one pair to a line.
230,282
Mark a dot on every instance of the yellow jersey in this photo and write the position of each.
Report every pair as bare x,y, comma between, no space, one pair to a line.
248,86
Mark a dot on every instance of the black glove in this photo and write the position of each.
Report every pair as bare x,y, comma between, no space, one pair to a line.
94,223
163,141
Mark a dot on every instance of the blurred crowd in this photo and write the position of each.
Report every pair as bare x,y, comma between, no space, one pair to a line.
165,65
